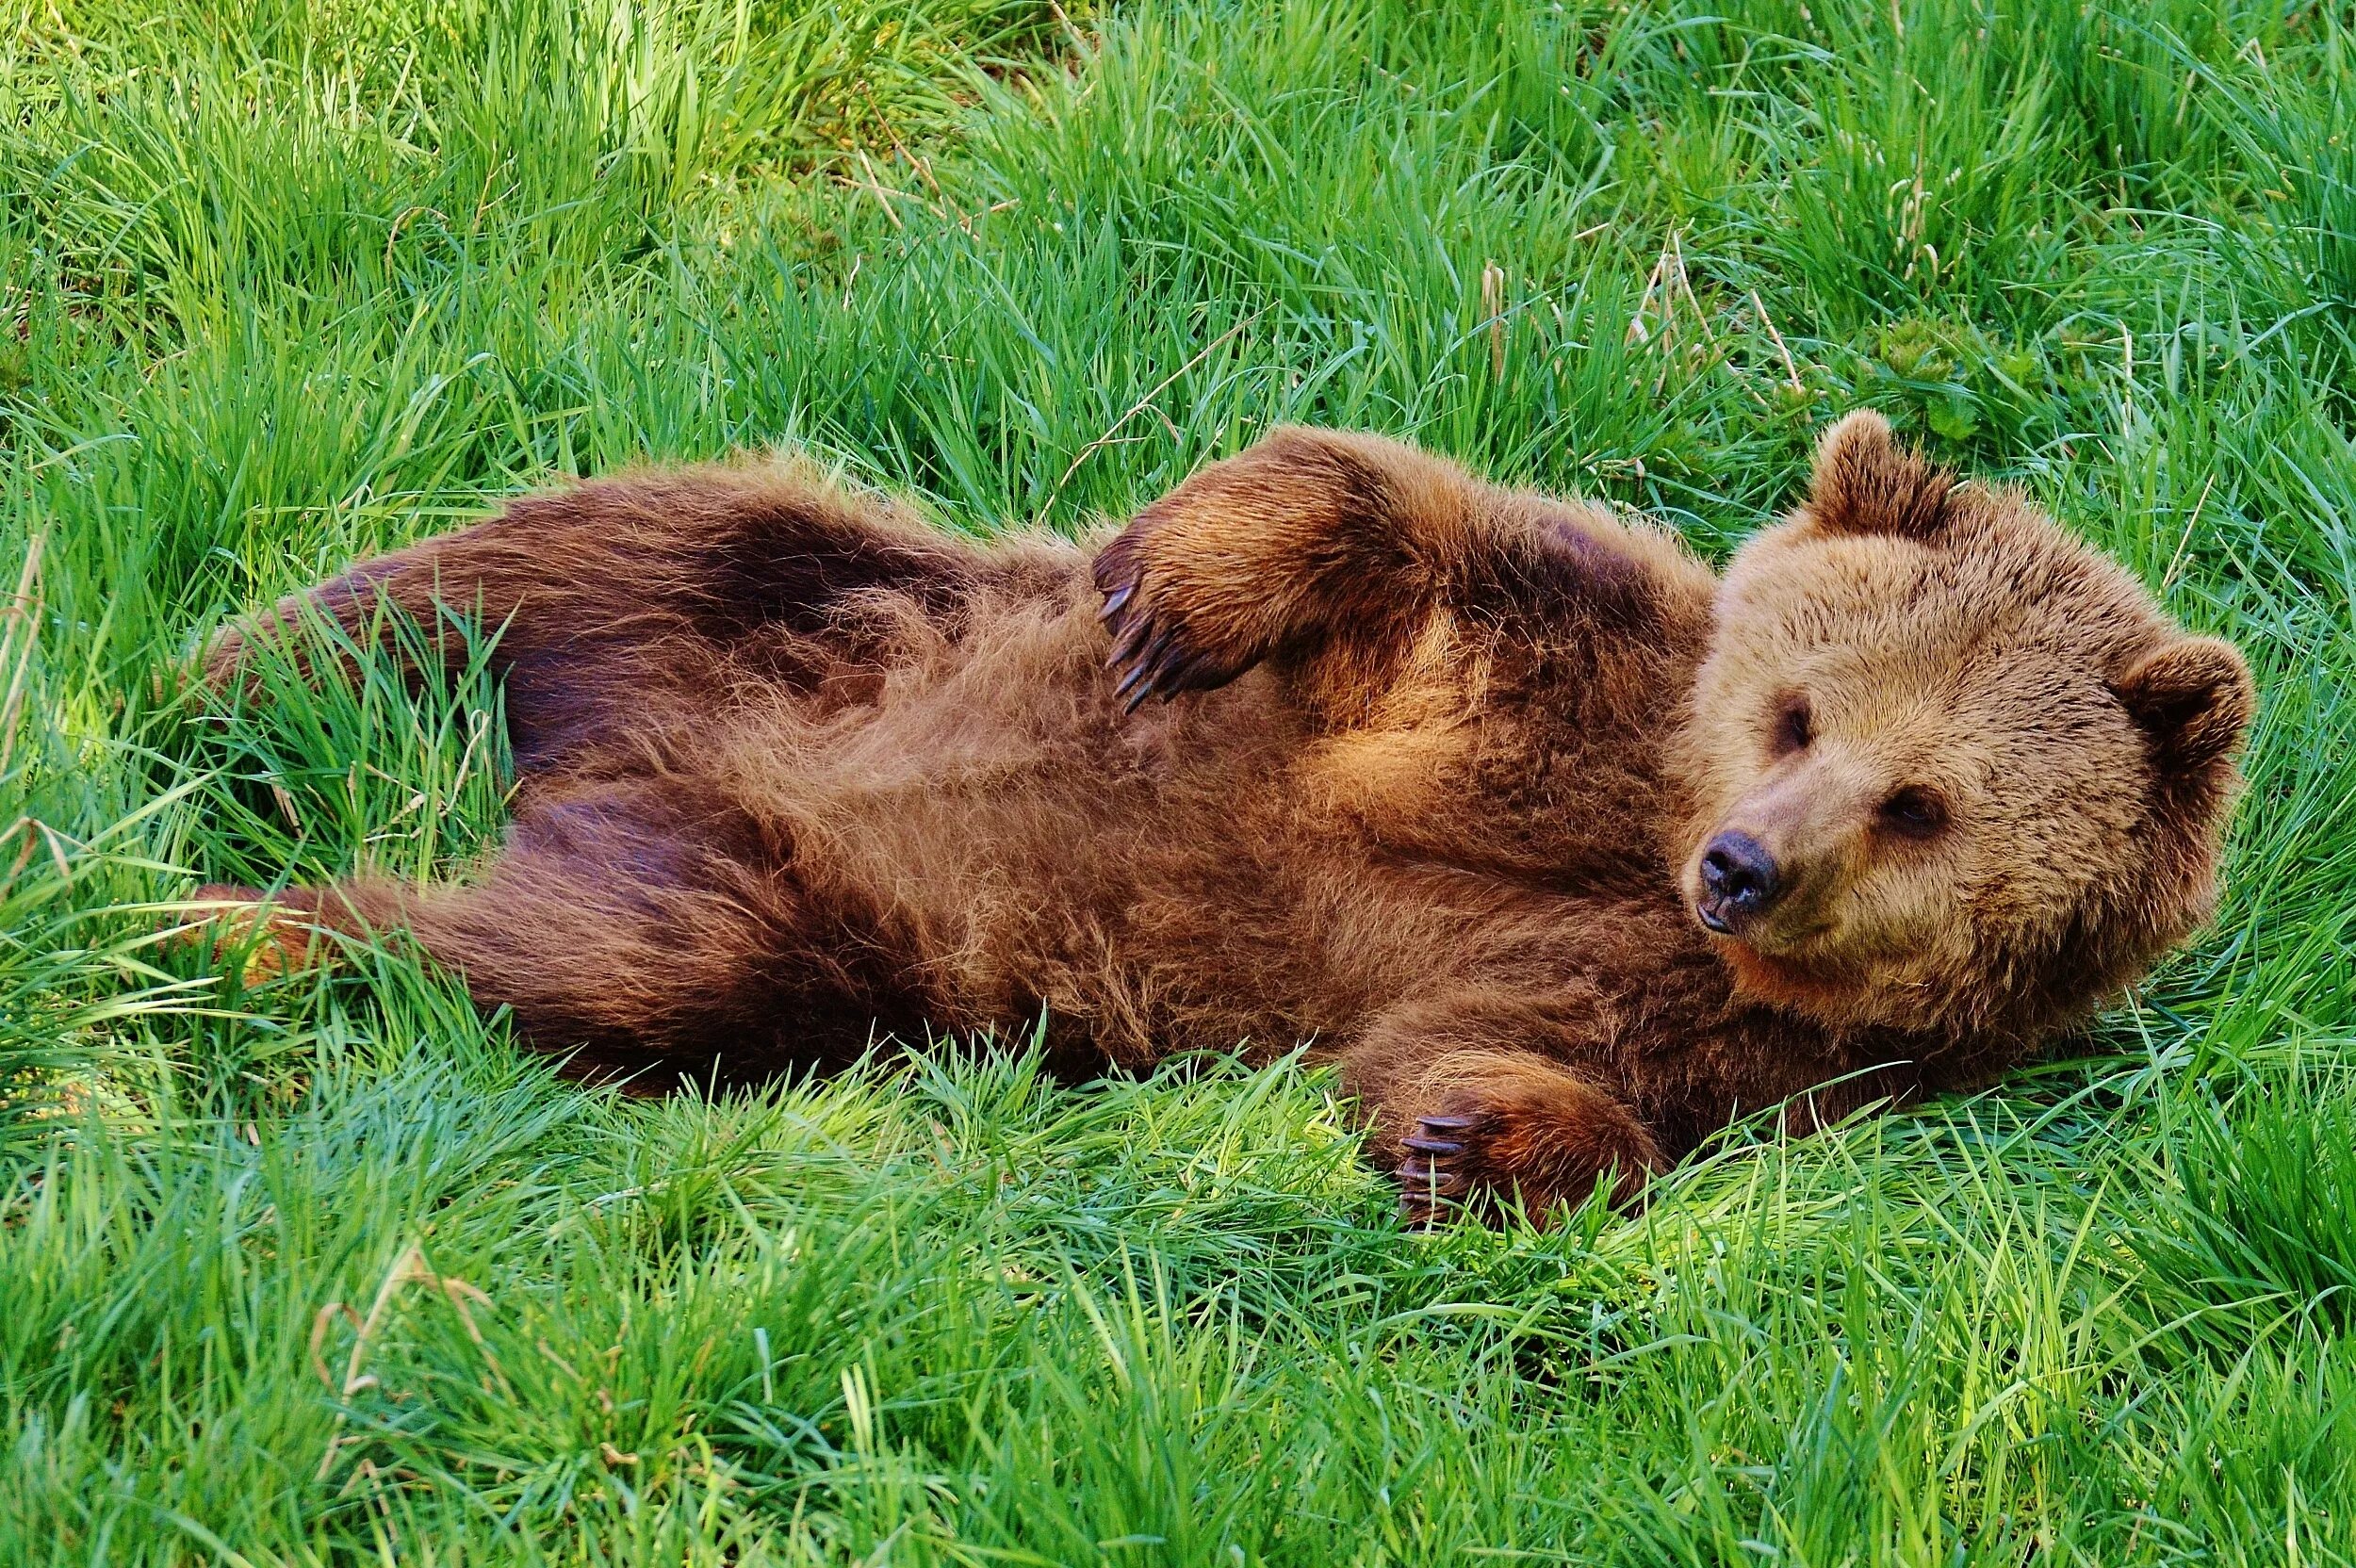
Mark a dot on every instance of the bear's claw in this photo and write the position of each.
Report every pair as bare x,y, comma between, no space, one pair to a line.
1153,657
1430,1181
1154,652
1151,640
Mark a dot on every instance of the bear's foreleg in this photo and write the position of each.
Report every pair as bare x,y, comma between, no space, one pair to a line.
1311,545
1475,1093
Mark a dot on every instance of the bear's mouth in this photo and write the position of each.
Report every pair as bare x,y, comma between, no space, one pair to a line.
1716,915
1779,932
1741,919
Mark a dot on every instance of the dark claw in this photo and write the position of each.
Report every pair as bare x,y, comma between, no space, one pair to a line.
1145,660
1136,673
1166,668
1138,633
1136,698
1114,600
1421,1178
1181,676
1432,1188
1419,1209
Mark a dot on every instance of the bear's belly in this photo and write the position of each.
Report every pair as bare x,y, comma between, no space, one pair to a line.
1019,847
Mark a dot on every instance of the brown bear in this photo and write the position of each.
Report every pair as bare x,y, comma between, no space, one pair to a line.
1564,849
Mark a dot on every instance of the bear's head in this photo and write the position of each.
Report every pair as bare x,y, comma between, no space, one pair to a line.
1951,771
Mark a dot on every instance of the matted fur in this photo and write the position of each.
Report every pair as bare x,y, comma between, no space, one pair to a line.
1431,793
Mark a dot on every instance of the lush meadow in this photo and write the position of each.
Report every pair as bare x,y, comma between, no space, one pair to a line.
327,1270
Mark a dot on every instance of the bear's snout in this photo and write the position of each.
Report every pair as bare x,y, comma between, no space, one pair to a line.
1740,881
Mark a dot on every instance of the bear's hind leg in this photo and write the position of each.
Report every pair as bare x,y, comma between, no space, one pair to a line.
643,935
622,602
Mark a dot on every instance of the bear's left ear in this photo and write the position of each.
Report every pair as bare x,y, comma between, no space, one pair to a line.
1865,482
2193,698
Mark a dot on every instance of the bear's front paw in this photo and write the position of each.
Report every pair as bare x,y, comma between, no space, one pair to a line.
1169,632
1545,1150
1437,1174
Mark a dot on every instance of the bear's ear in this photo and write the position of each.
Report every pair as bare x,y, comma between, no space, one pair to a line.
1865,482
2193,698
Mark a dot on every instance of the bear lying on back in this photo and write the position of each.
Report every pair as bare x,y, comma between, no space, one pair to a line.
1564,849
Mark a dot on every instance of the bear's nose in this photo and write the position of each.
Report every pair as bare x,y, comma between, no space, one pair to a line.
1739,881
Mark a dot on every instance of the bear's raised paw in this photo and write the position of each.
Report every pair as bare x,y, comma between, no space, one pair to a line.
1161,646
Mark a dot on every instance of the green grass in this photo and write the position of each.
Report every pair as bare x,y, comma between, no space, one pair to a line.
327,1270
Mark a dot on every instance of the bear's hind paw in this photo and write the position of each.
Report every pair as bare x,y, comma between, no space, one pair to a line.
268,939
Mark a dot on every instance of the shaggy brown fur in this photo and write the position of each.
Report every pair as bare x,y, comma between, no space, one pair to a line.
1440,798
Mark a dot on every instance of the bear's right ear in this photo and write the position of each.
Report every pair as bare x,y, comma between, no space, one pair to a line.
1865,482
2193,699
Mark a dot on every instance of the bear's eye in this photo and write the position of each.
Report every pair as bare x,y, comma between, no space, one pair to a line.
1914,812
1795,727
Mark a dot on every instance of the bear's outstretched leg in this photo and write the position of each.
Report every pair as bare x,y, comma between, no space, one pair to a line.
642,929
614,600
1486,1115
